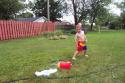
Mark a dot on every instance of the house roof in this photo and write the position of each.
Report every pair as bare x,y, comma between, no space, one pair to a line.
29,19
22,0
26,19
62,23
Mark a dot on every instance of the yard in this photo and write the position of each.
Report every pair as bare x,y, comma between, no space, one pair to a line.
20,58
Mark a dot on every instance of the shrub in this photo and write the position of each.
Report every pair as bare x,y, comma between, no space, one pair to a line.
58,32
63,36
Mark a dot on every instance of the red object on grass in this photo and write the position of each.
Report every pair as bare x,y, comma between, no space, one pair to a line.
64,65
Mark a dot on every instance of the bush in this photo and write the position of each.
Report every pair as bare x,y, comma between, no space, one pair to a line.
58,32
50,34
69,32
63,36
58,37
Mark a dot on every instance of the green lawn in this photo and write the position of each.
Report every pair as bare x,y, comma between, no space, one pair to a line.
20,58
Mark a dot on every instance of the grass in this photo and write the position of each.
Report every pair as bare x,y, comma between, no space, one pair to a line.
20,58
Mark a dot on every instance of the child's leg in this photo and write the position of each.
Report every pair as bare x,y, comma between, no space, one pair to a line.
75,54
84,50
84,53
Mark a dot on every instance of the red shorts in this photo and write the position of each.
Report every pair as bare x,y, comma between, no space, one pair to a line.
81,46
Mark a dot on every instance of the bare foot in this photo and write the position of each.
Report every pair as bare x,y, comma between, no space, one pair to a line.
86,56
73,58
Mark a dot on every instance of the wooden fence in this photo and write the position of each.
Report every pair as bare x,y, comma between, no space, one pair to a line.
14,29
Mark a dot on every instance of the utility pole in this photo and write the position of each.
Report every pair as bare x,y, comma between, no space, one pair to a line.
48,13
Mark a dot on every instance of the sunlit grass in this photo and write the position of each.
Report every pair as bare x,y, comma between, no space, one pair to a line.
22,57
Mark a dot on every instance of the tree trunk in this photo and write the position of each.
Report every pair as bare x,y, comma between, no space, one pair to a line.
93,19
91,27
75,15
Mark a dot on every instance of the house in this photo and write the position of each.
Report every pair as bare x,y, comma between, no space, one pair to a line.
64,25
24,1
35,19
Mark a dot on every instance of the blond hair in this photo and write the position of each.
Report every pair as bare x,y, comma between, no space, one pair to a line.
79,25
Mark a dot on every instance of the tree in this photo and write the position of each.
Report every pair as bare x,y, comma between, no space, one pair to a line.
40,9
8,8
104,17
122,16
122,7
25,15
25,12
88,8
97,9
80,9
27,6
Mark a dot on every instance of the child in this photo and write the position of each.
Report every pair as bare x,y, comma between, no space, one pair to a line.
80,40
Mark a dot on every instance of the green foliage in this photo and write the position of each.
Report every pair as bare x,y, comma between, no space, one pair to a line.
89,9
69,32
48,34
8,8
67,29
25,15
103,17
122,16
30,5
121,6
98,10
108,20
56,33
40,9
